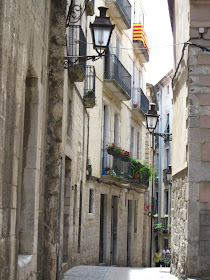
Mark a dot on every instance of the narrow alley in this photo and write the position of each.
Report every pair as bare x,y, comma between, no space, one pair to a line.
116,273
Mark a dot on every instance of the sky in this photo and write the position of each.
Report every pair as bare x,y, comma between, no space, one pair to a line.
158,29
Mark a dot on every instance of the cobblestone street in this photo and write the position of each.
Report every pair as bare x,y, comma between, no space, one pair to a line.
117,273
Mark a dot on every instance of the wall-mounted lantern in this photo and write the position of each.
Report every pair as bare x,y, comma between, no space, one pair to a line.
101,31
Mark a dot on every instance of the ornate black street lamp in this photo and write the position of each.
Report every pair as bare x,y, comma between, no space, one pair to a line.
151,122
101,31
169,174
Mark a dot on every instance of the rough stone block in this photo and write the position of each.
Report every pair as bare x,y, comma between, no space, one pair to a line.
205,152
195,171
205,192
193,60
204,59
204,263
205,121
205,248
194,151
205,233
193,122
204,80
205,218
199,70
204,99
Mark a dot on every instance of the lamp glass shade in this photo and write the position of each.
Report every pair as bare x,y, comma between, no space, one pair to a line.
169,177
101,36
151,122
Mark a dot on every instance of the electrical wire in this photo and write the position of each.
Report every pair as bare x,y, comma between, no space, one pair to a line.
203,48
143,48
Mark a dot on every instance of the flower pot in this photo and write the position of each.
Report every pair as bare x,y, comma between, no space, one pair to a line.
136,176
135,105
126,158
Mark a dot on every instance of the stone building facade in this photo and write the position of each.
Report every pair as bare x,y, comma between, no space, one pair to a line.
163,147
190,160
55,192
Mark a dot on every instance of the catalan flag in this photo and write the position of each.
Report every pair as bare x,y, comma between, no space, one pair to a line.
139,35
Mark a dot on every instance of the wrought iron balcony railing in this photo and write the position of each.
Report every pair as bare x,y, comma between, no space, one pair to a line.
76,47
121,10
117,75
139,100
90,5
140,42
121,168
89,89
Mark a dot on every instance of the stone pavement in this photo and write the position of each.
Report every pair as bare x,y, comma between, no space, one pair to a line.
118,273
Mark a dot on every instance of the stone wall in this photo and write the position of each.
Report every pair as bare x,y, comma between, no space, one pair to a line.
179,224
24,76
91,226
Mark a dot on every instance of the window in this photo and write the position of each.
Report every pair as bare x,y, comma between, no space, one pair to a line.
138,145
91,200
132,141
106,135
69,119
117,129
166,202
167,129
117,47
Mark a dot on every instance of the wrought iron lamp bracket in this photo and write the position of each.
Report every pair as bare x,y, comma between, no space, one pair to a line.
75,12
165,136
80,59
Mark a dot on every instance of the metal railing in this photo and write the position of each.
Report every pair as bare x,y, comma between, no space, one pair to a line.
114,70
76,44
90,77
121,168
140,101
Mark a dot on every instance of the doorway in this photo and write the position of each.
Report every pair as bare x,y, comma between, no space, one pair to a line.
129,223
103,226
114,221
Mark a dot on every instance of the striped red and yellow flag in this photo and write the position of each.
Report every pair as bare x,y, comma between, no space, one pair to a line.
139,35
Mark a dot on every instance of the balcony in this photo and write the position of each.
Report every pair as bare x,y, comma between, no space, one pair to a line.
120,171
121,12
165,226
140,103
140,43
76,46
90,6
89,98
117,78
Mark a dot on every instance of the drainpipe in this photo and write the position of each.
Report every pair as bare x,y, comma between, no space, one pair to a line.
59,222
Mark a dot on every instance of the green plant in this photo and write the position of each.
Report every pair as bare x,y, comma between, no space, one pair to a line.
157,226
113,173
141,168
155,215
